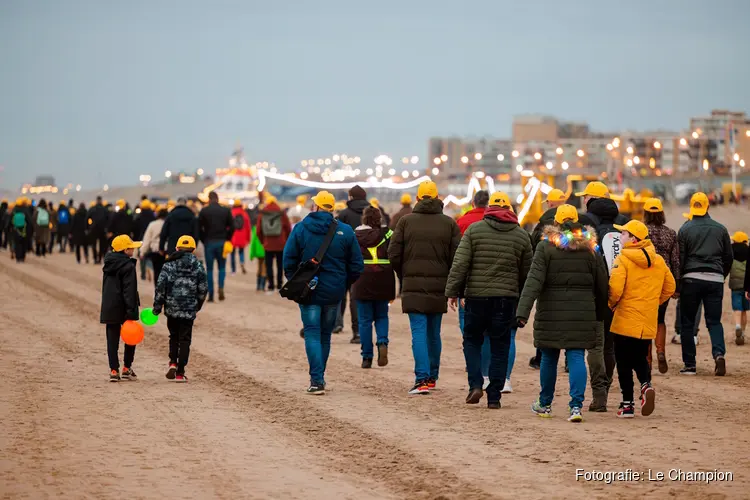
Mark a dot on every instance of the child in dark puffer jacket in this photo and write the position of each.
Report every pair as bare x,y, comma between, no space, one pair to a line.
181,291
740,304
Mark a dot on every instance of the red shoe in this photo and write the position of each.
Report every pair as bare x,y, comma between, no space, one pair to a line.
129,374
181,378
172,371
648,399
431,383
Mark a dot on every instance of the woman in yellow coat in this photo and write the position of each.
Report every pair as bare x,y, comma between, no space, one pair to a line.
639,283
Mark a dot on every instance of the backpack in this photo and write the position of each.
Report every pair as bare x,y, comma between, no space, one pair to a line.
42,218
271,224
239,222
63,217
19,220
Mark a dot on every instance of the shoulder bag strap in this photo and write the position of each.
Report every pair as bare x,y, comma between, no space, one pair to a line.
326,242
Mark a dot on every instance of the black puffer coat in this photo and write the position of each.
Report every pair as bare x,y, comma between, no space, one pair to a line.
119,289
352,214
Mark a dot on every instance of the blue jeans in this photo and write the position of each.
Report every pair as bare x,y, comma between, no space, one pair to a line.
486,353
215,252
241,251
576,376
692,294
494,316
318,322
426,345
739,301
372,311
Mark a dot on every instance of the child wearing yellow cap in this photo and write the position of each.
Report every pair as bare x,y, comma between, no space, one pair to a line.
181,291
640,281
120,302
740,304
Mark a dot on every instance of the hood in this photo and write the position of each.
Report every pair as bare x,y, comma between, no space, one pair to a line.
500,218
115,261
428,206
369,236
574,237
604,208
548,217
317,222
357,205
642,253
271,207
740,251
475,212
181,212
187,257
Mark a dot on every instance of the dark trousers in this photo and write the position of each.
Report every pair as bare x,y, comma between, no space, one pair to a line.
495,316
19,247
62,241
85,253
157,260
100,246
632,355
52,239
113,347
352,310
41,249
180,336
693,293
272,257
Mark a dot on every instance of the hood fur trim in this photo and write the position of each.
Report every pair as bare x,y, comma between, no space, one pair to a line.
583,238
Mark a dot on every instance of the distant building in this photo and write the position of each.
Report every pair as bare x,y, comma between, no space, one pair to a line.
710,141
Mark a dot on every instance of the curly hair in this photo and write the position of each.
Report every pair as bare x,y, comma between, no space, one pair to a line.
372,217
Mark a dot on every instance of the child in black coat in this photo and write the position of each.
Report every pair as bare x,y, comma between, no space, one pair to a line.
120,302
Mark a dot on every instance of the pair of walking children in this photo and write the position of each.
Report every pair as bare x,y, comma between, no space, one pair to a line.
180,292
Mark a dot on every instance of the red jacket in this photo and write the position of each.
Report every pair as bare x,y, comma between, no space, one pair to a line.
469,218
241,237
273,243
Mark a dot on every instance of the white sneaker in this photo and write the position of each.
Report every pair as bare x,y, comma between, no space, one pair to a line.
676,339
486,383
697,341
508,388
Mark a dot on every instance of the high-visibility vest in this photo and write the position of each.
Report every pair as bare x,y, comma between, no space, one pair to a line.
374,251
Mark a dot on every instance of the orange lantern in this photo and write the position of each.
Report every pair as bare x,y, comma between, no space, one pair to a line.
131,332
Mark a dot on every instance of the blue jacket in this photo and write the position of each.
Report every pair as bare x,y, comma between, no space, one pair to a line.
342,264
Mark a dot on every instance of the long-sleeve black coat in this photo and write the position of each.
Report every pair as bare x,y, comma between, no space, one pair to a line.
181,221
119,289
79,229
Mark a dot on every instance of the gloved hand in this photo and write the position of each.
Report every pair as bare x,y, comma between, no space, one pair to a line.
521,322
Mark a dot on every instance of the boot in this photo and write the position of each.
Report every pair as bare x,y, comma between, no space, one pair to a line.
599,404
257,284
242,266
221,294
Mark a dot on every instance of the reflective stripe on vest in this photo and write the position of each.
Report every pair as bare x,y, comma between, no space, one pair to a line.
374,252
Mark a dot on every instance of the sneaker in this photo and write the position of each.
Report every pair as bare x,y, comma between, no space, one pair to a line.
697,340
355,339
474,397
648,399
316,389
382,354
493,405
541,410
688,370
507,389
114,376
420,388
533,364
676,339
129,374
721,366
269,292
338,329
739,338
575,415
366,362
432,383
221,294
210,299
662,357
627,410
181,378
172,371
486,383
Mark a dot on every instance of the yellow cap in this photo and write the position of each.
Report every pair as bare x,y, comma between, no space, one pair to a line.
566,213
500,199
556,195
186,242
325,201
740,237
698,205
146,205
634,227
19,202
374,202
427,189
301,199
123,242
340,205
92,204
120,203
596,189
171,204
653,205
269,198
406,199
237,203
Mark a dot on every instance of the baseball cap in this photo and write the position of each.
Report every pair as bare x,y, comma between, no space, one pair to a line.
406,199
500,199
186,241
123,242
324,200
698,205
237,203
740,237
653,205
269,198
566,213
634,227
427,189
120,203
556,195
146,205
374,202
596,189
301,199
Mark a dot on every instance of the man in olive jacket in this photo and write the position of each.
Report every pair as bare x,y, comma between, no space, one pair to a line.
489,271
421,253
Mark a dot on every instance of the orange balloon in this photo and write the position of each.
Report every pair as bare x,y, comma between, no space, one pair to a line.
131,332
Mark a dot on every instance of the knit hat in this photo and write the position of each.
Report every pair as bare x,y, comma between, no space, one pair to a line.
357,193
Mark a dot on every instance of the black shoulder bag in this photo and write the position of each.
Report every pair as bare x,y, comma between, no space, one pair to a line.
300,288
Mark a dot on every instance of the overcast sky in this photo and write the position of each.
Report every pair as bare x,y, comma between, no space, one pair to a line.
95,91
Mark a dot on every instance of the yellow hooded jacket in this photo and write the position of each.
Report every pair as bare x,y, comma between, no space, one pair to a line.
640,282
